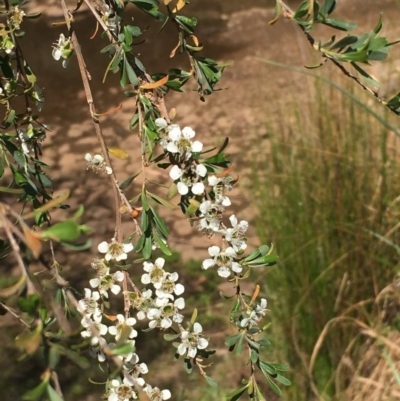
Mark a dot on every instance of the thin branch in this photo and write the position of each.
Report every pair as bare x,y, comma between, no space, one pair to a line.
288,13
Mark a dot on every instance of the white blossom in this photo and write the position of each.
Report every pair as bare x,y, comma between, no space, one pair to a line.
107,282
255,315
155,273
223,260
90,306
123,327
62,49
115,250
155,394
97,163
92,330
192,341
121,391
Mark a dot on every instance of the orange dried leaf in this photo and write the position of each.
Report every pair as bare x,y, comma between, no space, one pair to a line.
113,318
107,113
95,31
173,51
179,5
172,113
33,240
225,172
153,85
118,153
195,40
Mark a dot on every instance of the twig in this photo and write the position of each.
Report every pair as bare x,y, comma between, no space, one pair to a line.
288,13
12,312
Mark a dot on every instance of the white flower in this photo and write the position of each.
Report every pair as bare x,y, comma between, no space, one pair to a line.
123,327
235,235
211,217
115,250
93,329
63,49
135,369
155,394
179,141
189,178
161,123
95,351
107,282
192,341
255,315
220,186
169,287
155,273
165,313
97,163
121,391
90,306
223,260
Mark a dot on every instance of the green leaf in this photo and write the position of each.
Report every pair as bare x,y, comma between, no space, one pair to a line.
147,248
162,201
123,349
140,244
232,340
211,381
144,221
132,77
64,231
340,24
283,380
160,223
171,337
235,395
128,181
53,396
347,41
143,198
163,246
38,391
366,76
328,7
149,7
30,304
271,383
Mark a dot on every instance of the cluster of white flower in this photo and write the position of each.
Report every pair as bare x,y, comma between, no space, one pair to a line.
158,305
190,175
97,163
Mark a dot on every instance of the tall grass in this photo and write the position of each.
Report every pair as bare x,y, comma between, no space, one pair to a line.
327,195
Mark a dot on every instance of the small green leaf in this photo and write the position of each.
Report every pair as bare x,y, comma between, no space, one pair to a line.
340,24
235,395
211,381
283,380
123,349
128,181
53,396
38,391
163,246
64,231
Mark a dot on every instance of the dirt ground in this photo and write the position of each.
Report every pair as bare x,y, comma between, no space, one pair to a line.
231,30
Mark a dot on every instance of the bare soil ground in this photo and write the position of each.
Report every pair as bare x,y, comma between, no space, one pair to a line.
251,90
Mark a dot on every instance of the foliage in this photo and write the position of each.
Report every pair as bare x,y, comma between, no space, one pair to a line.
201,178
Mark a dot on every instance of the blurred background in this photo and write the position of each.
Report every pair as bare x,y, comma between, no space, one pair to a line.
319,178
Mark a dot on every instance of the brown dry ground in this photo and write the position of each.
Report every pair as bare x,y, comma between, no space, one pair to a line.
231,30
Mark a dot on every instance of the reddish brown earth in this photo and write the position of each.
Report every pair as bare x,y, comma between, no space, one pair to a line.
252,91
